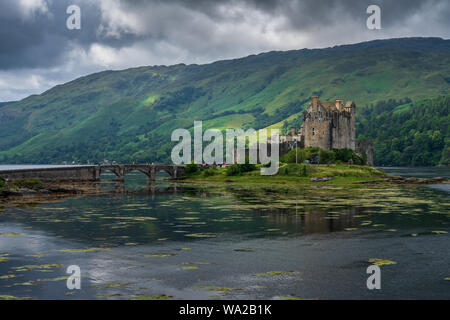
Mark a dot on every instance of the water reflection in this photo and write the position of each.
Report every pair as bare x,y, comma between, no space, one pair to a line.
134,231
421,172
185,212
314,220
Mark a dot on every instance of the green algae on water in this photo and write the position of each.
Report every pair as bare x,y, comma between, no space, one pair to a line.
160,255
274,273
84,250
382,262
155,297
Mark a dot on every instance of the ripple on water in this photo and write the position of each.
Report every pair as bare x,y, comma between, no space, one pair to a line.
442,187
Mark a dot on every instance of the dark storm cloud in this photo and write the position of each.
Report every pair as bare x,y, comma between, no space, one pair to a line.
312,13
323,22
38,51
41,39
29,38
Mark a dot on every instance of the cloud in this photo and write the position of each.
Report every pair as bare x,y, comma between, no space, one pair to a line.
23,82
118,34
31,7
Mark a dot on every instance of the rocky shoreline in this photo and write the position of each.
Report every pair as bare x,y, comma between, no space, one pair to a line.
409,181
42,190
56,190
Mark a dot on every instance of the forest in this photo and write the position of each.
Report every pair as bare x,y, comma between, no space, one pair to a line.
407,133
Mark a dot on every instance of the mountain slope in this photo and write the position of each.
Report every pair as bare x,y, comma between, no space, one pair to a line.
409,134
128,115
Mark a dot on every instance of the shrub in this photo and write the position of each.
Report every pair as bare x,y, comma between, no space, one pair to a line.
284,171
2,183
358,159
247,167
302,155
29,184
303,171
314,154
232,170
326,156
237,169
364,157
210,172
343,155
191,168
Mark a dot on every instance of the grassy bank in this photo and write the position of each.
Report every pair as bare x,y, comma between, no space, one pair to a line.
18,184
292,174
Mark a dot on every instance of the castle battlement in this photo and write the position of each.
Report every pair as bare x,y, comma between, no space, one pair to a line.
328,125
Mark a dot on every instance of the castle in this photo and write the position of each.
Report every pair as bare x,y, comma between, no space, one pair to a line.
328,125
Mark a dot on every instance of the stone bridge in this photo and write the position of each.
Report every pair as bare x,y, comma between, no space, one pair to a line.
89,173
149,170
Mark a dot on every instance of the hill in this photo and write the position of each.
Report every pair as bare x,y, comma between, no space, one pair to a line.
408,134
128,115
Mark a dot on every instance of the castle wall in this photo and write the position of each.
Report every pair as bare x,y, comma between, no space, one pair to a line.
329,125
317,134
317,129
367,148
353,129
343,130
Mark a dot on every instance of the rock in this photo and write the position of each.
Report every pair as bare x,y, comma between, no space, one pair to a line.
410,180
43,189
8,193
324,179
58,189
25,191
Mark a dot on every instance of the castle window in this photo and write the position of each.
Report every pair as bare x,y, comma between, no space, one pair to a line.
313,132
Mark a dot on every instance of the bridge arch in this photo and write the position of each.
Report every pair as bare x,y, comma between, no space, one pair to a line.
169,172
89,173
136,179
149,170
112,170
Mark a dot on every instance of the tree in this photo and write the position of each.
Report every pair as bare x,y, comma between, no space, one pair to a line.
327,156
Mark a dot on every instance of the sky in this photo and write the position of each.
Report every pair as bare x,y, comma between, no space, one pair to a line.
38,51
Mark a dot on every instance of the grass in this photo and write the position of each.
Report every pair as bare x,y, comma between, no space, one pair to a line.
18,184
118,115
292,174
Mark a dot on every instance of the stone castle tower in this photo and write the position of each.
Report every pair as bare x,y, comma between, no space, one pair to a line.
328,125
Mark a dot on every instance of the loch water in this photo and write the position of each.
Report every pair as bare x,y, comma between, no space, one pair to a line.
230,241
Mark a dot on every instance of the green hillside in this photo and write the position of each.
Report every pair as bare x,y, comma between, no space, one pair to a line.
408,134
129,115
